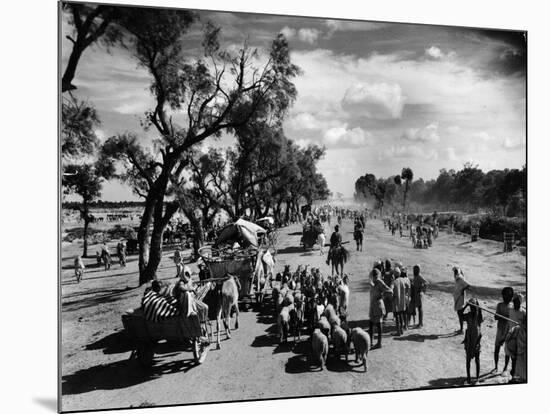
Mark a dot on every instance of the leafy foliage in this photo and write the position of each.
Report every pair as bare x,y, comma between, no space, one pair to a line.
79,121
499,191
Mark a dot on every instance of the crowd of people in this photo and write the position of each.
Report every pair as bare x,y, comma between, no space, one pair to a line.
511,331
392,291
422,235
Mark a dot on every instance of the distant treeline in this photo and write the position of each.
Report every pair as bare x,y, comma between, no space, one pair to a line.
501,192
74,205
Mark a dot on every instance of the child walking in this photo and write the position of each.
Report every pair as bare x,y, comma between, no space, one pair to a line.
503,309
472,337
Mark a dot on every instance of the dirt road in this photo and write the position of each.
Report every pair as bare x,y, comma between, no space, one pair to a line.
96,372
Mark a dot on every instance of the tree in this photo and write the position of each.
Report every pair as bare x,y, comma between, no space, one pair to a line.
87,183
79,120
224,92
79,144
407,176
90,24
368,185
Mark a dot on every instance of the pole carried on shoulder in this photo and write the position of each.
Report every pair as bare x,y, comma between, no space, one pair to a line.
493,313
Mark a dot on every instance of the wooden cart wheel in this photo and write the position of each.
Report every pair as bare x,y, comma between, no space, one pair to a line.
145,355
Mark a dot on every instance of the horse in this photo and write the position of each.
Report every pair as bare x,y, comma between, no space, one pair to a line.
338,257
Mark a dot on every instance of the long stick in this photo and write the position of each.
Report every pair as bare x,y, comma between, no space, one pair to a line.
494,313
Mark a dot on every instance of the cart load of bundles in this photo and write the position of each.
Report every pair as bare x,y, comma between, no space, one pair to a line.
237,251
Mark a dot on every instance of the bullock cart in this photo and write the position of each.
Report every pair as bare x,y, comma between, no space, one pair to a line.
310,233
238,262
145,334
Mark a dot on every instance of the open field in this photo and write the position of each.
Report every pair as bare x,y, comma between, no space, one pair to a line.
96,372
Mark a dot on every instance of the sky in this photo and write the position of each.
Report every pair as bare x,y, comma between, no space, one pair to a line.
378,96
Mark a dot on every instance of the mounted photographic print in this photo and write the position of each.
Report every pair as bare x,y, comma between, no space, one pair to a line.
259,207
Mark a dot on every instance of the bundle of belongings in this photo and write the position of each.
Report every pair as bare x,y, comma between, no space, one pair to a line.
162,301
242,232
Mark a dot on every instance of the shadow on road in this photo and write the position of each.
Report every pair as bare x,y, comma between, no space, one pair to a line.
291,249
265,340
421,338
478,291
118,375
109,297
446,382
298,364
115,343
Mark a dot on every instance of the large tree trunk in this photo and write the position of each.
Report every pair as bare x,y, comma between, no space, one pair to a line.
86,217
70,70
155,248
198,240
144,239
161,219
287,212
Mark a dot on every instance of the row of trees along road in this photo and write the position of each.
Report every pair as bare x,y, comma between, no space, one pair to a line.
240,93
502,192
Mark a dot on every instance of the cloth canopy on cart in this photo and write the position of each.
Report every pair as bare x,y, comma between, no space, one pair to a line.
242,231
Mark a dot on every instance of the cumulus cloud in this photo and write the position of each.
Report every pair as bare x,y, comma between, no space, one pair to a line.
408,151
449,154
100,134
308,35
307,121
436,53
343,137
453,129
288,32
374,101
426,134
513,143
351,26
302,142
484,136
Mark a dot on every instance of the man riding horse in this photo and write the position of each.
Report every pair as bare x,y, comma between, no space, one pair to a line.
335,242
337,254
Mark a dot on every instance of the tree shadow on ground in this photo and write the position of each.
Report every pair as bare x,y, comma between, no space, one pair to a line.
111,296
95,266
85,278
296,233
118,375
291,250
